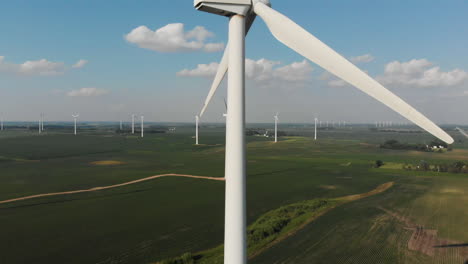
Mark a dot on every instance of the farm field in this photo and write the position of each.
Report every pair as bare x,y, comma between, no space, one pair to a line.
162,218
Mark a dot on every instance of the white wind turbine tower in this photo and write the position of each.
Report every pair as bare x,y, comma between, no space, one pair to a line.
75,117
142,124
1,123
41,122
315,135
241,15
276,127
196,129
225,107
133,123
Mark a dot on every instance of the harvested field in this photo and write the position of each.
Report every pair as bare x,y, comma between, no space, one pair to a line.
107,162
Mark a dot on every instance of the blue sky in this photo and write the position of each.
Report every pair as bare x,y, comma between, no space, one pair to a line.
121,77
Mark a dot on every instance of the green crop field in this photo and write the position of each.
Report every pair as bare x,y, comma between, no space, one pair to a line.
166,217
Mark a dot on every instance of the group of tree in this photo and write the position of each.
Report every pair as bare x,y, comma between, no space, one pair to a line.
433,145
454,167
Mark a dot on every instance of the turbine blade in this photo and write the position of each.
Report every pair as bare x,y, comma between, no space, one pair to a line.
304,43
223,67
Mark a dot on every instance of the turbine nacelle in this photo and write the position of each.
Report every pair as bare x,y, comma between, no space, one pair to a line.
224,7
228,7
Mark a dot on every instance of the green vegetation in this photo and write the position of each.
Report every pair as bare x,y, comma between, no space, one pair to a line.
432,146
161,219
379,163
453,167
277,225
273,225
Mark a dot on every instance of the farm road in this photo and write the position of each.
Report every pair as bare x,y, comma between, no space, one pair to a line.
110,186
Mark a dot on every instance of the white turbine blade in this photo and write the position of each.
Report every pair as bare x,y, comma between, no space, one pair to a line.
223,67
304,43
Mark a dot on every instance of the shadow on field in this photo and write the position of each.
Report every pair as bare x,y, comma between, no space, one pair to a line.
72,200
452,245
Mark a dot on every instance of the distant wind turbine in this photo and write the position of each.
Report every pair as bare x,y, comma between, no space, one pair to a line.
276,127
315,136
142,124
462,132
75,117
133,123
1,123
196,129
41,125
225,107
40,122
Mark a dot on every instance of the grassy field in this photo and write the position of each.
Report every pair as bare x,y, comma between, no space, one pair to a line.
155,220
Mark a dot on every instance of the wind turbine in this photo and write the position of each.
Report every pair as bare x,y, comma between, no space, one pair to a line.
75,117
142,121
196,129
225,107
315,135
133,123
276,127
41,122
1,123
242,14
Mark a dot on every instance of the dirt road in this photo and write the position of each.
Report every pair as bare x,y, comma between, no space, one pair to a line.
110,186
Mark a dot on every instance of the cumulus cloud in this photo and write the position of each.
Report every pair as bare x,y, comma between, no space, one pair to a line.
87,92
332,80
337,83
42,67
173,38
80,64
202,70
362,59
263,72
295,72
421,73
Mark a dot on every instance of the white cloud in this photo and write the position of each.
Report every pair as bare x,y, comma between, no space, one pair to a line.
337,83
87,92
362,59
296,71
173,38
42,67
260,70
80,64
332,80
202,70
421,73
263,72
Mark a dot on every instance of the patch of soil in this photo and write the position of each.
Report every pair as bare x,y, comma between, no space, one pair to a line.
427,241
